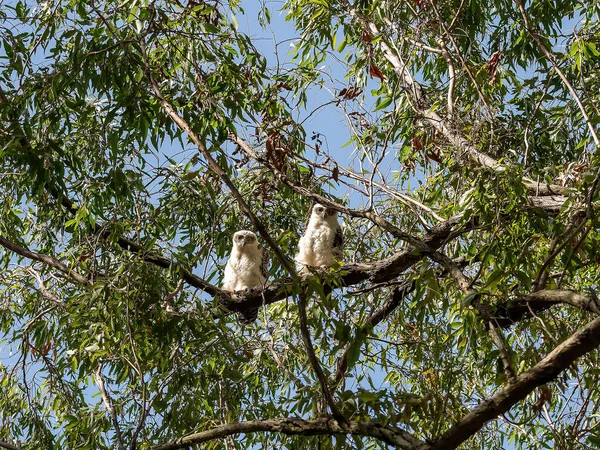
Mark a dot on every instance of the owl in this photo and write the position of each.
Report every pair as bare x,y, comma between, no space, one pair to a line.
322,242
246,268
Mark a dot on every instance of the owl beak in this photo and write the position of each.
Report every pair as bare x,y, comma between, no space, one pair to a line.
328,212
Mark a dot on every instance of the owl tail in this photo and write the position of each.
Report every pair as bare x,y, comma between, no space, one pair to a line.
249,316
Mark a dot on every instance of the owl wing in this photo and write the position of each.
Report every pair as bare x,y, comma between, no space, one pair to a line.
249,316
338,242
264,263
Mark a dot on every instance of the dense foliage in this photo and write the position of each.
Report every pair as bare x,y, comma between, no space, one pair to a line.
456,139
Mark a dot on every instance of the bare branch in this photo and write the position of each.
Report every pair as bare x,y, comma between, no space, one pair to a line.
9,446
451,75
48,260
502,348
294,426
376,272
45,292
525,305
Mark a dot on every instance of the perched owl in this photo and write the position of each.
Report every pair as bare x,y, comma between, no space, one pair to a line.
322,242
246,268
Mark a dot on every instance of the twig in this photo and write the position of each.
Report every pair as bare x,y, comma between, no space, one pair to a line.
42,288
9,446
451,76
295,426
552,59
398,294
504,353
314,360
109,407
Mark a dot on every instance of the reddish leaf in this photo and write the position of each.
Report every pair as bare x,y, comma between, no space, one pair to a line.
47,348
84,257
492,65
335,174
416,143
545,397
350,92
366,36
375,72
285,86
434,155
410,166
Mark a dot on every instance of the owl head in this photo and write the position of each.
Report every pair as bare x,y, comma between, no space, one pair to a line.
321,212
243,239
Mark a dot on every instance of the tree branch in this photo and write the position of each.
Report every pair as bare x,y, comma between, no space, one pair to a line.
109,407
9,446
294,426
502,348
435,120
525,305
48,260
314,362
351,274
581,342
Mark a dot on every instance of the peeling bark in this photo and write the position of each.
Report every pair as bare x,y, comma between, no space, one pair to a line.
294,426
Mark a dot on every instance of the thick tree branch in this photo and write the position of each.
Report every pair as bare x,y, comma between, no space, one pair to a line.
48,260
525,305
9,446
376,272
293,426
581,342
